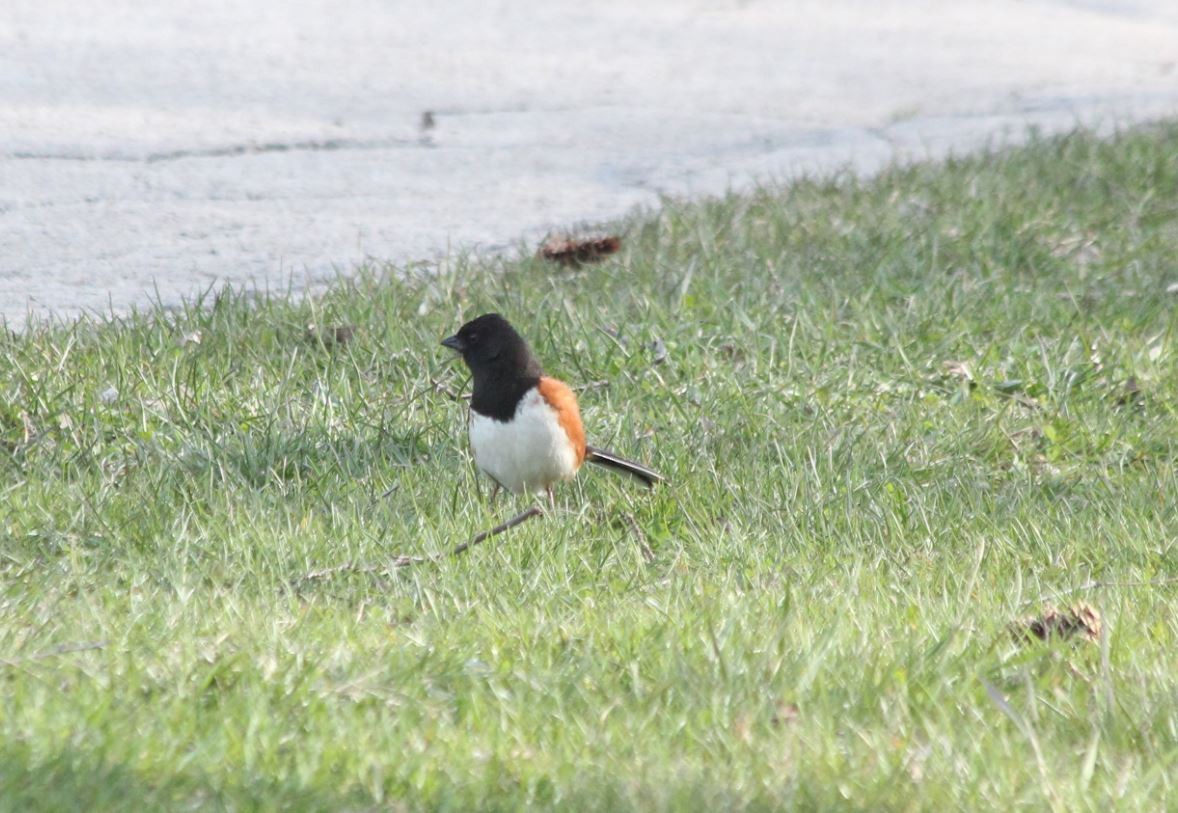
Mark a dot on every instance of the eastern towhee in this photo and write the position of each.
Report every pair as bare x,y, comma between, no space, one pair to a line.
525,427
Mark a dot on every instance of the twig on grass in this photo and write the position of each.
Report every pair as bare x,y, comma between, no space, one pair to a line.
444,389
1097,584
643,545
406,560
483,536
54,651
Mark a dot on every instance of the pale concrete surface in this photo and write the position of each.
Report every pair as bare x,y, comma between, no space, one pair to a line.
157,148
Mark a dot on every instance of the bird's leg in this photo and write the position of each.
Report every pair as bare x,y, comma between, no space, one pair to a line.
551,499
494,493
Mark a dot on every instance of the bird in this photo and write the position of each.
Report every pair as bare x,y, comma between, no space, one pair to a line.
525,427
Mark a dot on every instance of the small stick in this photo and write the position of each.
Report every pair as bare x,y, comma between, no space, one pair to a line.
1095,585
407,560
643,545
449,393
54,651
483,536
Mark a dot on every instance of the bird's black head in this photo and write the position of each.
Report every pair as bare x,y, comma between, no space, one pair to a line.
487,340
500,362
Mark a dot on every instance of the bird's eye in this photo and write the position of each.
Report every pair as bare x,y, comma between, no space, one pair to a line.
472,338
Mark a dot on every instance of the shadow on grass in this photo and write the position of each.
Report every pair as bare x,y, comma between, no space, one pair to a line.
138,494
73,780
271,454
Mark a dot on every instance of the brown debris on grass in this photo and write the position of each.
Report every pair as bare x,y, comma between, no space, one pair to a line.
784,713
573,251
959,370
405,560
53,652
1080,619
1080,249
643,545
330,335
1130,394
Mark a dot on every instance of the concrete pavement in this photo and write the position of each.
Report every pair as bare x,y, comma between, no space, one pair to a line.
161,148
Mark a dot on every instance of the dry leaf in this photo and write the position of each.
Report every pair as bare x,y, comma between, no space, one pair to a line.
575,251
659,348
330,335
1130,393
30,429
1080,619
732,352
958,369
784,713
1081,248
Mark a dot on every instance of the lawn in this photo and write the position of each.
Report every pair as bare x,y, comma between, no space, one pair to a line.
899,416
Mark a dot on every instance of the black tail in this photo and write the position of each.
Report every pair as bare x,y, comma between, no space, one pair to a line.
611,461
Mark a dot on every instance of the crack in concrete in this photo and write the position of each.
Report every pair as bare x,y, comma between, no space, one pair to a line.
230,150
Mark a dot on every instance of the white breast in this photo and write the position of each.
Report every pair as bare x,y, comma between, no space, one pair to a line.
526,454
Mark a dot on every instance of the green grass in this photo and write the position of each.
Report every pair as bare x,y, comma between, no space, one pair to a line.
851,528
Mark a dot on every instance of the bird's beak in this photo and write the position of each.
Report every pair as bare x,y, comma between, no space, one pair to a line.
454,343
